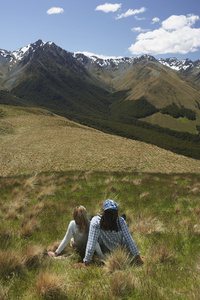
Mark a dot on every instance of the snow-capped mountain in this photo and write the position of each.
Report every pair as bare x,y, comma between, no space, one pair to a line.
100,60
179,65
19,54
104,61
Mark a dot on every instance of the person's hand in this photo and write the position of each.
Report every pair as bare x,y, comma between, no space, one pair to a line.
141,260
52,254
80,265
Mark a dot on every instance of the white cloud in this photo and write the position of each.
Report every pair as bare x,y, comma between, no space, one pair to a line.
55,10
131,12
108,7
177,22
155,20
176,35
139,18
139,29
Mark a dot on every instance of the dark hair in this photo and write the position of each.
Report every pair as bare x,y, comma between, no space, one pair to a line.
109,220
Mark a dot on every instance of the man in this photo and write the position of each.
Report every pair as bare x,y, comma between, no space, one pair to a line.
111,232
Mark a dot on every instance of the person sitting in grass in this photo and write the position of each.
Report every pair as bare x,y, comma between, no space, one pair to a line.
77,233
111,232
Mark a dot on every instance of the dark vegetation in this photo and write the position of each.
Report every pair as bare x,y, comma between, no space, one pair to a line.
126,111
177,112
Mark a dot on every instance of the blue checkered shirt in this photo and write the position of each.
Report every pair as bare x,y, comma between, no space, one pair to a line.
109,239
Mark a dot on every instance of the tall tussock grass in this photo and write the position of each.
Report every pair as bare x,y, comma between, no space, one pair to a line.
122,283
28,227
117,260
33,255
11,262
50,286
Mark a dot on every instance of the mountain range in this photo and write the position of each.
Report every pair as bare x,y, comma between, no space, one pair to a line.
156,101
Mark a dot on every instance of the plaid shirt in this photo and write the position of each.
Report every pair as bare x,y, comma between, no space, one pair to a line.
109,239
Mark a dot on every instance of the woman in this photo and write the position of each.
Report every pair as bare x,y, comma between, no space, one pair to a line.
78,229
111,232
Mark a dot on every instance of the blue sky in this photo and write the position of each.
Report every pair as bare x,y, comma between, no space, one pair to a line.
110,28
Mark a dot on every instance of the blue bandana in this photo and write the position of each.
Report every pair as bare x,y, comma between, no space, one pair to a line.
110,204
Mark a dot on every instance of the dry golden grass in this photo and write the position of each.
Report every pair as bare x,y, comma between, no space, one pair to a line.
5,234
30,183
10,261
28,227
76,188
122,282
145,224
177,209
161,253
47,191
144,195
197,210
12,214
117,260
33,255
41,143
195,189
4,293
50,286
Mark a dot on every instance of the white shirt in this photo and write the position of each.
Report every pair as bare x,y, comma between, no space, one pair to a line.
79,239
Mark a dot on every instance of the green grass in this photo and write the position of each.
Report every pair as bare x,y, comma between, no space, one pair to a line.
163,215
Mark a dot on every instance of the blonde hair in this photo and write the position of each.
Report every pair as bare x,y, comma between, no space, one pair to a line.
80,217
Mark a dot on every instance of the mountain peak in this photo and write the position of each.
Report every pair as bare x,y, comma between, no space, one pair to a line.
19,54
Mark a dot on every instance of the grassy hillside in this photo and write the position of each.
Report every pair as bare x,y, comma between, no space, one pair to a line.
179,124
35,140
48,166
161,86
162,214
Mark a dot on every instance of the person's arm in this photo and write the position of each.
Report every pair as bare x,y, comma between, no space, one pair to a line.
98,251
128,239
67,237
92,239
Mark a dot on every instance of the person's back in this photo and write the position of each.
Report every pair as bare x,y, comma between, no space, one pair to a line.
111,231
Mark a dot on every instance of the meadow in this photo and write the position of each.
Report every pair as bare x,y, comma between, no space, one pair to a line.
35,140
163,215
48,166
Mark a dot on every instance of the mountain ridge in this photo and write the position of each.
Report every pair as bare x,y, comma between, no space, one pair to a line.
123,96
172,62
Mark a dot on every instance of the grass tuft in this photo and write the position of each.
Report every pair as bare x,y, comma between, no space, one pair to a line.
10,262
117,260
4,292
28,227
50,286
122,283
162,253
30,183
47,191
33,255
